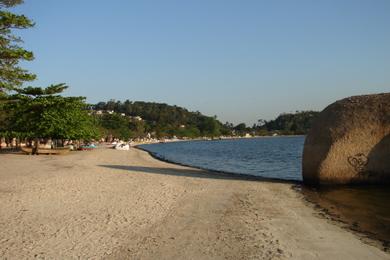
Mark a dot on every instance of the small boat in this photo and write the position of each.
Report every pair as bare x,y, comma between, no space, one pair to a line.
87,147
58,150
122,147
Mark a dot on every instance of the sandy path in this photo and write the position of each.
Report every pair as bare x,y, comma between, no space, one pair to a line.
126,205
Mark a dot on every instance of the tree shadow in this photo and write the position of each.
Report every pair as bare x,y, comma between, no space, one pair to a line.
10,150
196,173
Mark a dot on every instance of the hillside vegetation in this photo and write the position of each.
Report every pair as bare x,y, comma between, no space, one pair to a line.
138,119
157,119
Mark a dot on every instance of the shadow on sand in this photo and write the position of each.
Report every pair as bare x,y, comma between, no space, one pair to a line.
8,150
196,173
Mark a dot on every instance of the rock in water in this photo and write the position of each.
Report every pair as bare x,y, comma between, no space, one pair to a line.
349,142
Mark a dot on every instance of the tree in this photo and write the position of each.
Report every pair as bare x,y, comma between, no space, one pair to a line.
292,123
11,53
240,127
34,112
209,126
115,125
261,122
162,120
41,113
12,76
10,3
137,128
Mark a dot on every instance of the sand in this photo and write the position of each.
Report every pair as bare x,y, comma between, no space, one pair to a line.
127,205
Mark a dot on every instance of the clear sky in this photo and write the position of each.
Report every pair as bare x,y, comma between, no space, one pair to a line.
240,60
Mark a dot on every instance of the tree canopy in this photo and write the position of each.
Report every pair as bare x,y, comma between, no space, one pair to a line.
163,120
43,113
115,125
12,75
290,123
166,121
10,3
34,112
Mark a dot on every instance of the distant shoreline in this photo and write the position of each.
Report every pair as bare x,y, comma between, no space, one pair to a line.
216,139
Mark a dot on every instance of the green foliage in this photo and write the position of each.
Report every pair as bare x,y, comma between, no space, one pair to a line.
163,120
45,115
36,91
12,75
291,123
190,132
9,3
138,128
34,112
209,126
115,125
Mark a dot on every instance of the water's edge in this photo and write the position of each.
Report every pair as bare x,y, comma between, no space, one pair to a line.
332,213
233,175
328,213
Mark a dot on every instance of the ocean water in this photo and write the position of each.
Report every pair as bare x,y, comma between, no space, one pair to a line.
270,157
365,209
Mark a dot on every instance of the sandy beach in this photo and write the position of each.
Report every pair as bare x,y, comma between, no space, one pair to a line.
127,205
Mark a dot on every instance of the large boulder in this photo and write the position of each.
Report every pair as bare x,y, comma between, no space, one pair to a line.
349,142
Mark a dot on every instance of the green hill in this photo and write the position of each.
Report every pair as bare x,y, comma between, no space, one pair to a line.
158,119
138,119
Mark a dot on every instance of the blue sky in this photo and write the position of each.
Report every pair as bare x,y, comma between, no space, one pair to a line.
239,60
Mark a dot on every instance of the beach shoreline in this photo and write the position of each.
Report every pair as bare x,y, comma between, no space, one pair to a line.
327,212
126,204
232,175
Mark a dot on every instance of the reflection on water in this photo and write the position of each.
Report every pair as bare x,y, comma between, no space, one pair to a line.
364,208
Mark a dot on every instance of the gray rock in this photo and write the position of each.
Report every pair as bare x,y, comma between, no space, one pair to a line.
349,142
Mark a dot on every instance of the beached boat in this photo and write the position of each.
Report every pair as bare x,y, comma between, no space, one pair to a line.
87,147
59,150
122,147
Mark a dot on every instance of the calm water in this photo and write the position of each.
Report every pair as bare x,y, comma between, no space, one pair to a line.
364,209
271,157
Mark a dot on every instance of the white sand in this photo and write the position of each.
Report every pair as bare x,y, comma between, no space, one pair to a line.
126,205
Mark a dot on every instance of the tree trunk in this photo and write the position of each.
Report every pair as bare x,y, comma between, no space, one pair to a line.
35,149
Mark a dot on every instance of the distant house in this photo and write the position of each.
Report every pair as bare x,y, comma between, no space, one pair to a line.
99,112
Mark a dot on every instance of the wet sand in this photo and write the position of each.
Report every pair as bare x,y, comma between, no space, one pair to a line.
362,209
127,205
